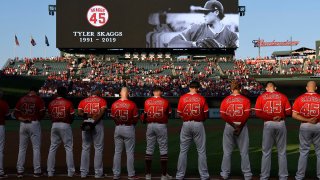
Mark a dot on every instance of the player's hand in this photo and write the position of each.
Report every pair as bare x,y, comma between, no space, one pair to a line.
24,120
237,131
89,116
95,117
277,118
313,120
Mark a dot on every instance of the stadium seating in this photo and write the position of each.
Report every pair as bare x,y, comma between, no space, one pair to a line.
141,75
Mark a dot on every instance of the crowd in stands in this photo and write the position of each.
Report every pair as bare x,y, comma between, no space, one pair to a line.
82,75
141,86
271,67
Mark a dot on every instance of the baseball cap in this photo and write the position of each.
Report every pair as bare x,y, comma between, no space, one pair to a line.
213,5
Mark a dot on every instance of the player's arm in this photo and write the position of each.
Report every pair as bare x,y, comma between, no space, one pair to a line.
233,39
183,39
42,109
205,110
18,112
180,108
179,42
103,108
298,117
99,116
71,111
143,117
246,113
113,114
296,112
288,109
81,112
135,114
224,116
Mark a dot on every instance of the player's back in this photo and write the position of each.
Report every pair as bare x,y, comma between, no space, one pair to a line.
125,110
30,106
235,106
157,109
60,110
192,107
308,105
273,104
92,105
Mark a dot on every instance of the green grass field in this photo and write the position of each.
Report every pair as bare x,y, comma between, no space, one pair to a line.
214,130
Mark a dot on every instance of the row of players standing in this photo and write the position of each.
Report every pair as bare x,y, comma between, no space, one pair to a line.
271,106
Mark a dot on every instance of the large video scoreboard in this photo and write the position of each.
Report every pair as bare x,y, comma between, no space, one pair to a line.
125,24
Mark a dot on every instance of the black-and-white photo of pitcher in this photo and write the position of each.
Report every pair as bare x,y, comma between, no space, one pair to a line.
209,24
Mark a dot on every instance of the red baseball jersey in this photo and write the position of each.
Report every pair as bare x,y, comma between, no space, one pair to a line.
308,105
124,112
92,105
157,110
192,107
4,111
272,104
235,108
30,107
61,110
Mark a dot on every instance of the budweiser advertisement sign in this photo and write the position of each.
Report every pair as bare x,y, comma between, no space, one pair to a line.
262,43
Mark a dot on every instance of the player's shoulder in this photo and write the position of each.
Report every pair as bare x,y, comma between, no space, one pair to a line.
101,98
82,101
302,96
116,101
164,99
36,97
263,93
131,102
282,95
245,98
149,99
202,97
226,98
67,101
184,96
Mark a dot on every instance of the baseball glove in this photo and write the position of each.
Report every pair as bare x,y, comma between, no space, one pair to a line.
208,43
87,126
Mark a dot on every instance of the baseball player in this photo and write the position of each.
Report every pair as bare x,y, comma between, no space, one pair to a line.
213,29
235,110
306,110
125,115
273,107
4,112
92,109
29,110
61,112
156,114
193,109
